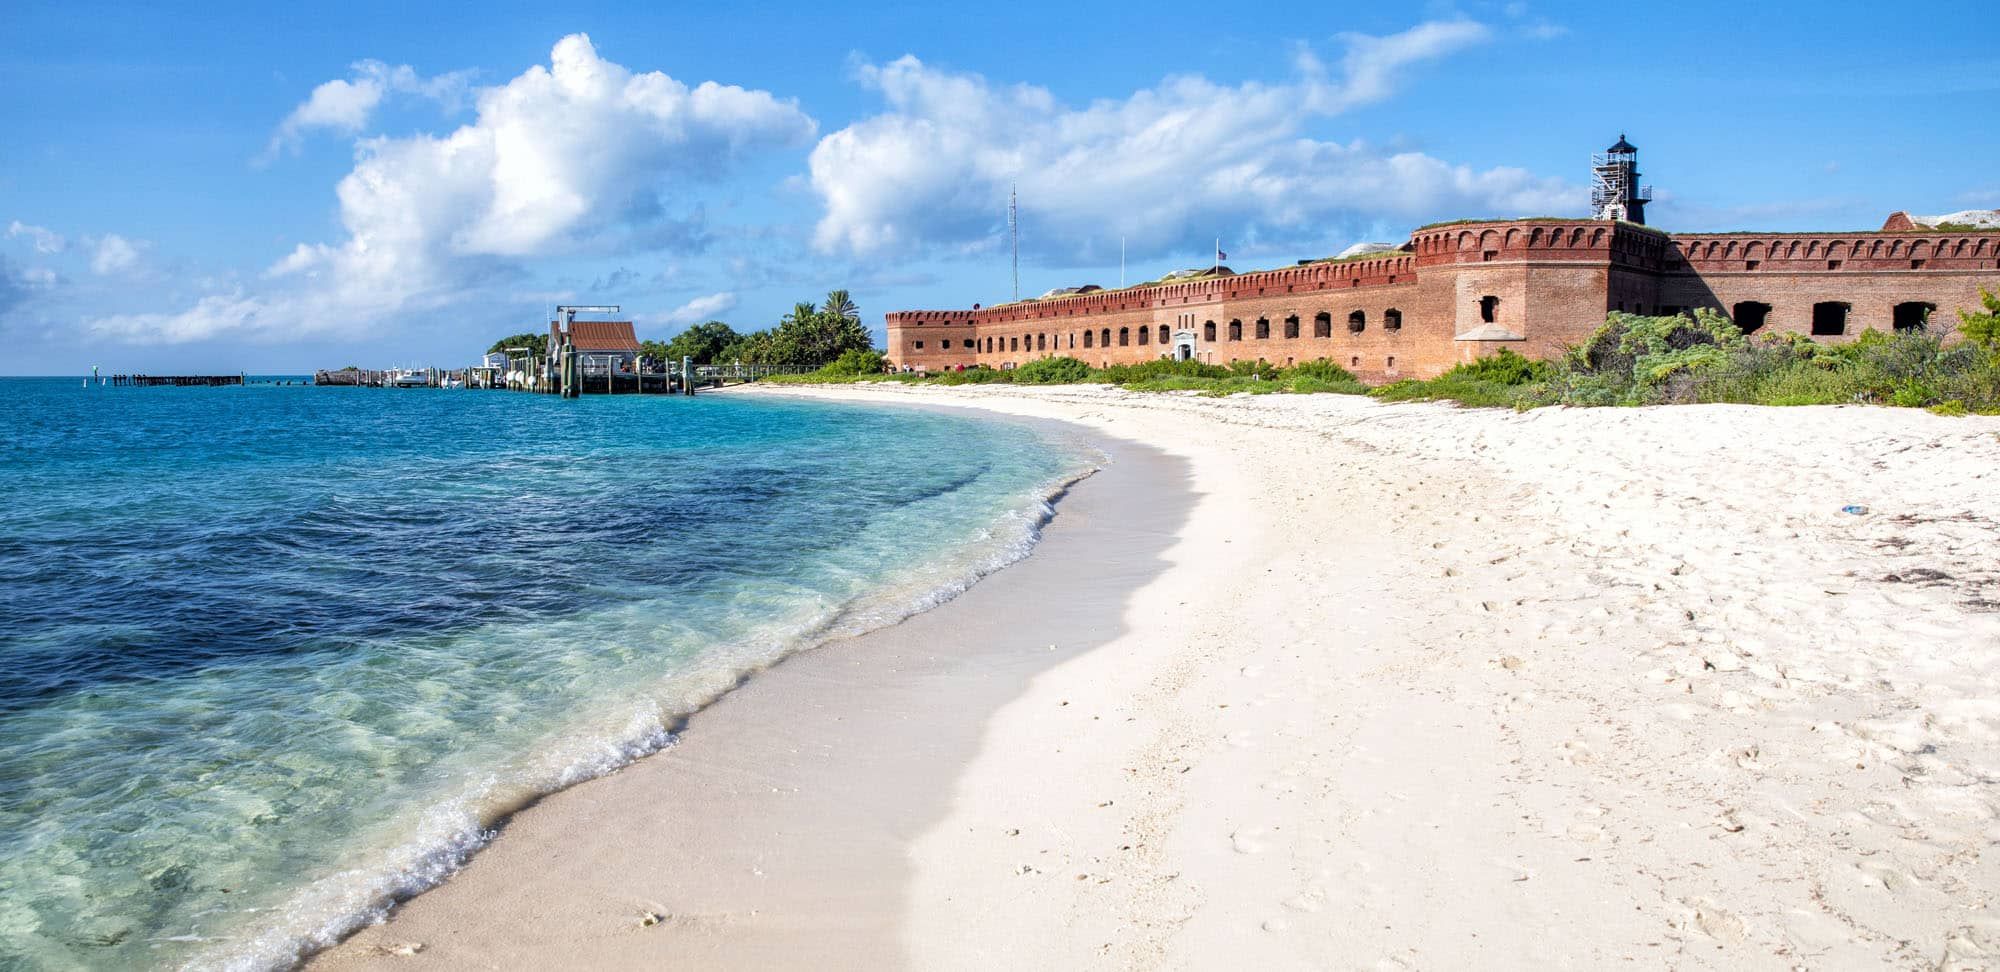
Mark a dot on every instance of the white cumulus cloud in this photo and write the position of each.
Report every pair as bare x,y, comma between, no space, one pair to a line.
344,105
115,254
558,158
1188,154
695,311
44,240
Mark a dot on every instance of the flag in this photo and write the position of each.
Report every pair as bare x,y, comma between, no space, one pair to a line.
1219,255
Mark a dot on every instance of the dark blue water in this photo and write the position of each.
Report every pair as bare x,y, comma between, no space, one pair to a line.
271,655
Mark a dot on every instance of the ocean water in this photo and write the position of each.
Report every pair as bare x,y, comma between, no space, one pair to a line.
273,656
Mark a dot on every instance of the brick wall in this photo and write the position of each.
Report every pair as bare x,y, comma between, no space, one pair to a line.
1550,282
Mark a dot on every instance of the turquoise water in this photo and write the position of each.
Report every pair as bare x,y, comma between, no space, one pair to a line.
271,657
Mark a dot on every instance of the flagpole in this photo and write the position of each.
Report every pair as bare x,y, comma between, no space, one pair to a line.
1218,253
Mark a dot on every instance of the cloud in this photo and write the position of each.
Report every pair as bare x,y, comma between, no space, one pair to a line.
345,105
694,311
1169,162
115,254
556,161
42,239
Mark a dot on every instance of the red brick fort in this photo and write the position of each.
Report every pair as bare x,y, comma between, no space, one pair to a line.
1457,291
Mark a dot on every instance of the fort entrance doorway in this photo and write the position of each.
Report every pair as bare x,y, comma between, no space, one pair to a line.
1183,346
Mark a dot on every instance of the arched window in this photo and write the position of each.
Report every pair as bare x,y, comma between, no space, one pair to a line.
1489,309
1829,318
1163,334
1322,325
1013,344
1104,338
1392,320
1913,316
1208,331
1072,339
1357,321
1292,326
1041,342
1145,335
1087,335
1236,329
1124,336
1263,328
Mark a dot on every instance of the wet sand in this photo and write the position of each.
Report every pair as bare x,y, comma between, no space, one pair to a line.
774,832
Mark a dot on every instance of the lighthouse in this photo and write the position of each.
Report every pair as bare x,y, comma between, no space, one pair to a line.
1615,192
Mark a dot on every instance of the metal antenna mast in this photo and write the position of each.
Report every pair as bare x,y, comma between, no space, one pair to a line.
1014,235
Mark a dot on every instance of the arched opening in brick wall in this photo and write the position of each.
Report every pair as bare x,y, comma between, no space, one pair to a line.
1489,309
1124,336
1263,329
1913,316
1235,329
1750,315
1292,326
1357,322
1392,320
1041,342
1208,331
1104,338
1087,335
1145,335
1322,325
1829,318
1013,344
1164,337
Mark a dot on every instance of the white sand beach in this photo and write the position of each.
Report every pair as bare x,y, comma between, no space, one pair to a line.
1346,685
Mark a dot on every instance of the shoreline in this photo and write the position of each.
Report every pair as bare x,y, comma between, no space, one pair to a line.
1411,686
752,760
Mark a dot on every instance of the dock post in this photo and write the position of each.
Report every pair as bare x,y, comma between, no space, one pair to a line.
687,375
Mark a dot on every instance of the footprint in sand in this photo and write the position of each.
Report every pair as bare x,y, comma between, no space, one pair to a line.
1714,921
1891,879
1248,841
1310,900
1577,753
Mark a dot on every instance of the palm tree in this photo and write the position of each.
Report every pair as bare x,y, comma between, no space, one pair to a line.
841,305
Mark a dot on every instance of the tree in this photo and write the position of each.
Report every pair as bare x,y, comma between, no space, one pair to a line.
811,336
840,304
1983,329
703,342
537,344
752,348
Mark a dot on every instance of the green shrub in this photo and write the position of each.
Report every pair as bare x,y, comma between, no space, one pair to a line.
853,363
976,376
1052,371
1321,369
1157,368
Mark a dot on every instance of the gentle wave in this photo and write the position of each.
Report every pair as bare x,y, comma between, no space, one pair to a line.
450,833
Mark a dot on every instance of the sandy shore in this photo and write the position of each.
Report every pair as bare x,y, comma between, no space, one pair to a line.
1337,685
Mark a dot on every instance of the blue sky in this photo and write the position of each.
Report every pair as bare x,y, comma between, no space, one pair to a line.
277,188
